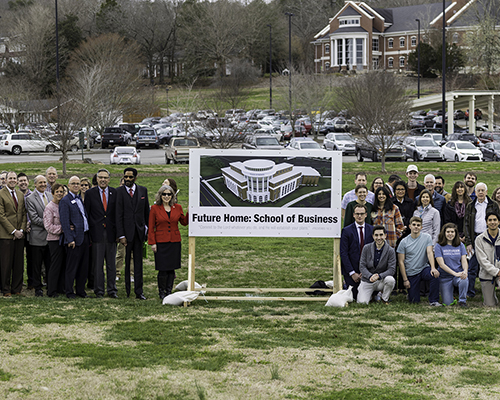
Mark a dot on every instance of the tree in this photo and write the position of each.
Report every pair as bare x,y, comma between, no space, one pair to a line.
483,42
211,33
427,60
103,79
378,102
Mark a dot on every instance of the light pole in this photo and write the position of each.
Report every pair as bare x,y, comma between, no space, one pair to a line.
443,65
418,57
290,15
270,66
167,89
57,68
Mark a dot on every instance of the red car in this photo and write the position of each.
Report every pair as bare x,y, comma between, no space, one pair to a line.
477,114
304,122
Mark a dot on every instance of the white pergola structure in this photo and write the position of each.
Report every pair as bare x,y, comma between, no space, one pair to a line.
461,100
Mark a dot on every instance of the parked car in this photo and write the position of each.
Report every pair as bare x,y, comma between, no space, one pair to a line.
115,135
437,137
464,137
423,149
421,121
486,137
72,144
125,155
371,148
270,132
17,143
261,142
456,128
340,141
340,124
458,114
303,143
491,151
177,149
147,137
458,150
304,122
131,128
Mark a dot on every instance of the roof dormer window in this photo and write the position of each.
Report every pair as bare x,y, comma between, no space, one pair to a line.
348,21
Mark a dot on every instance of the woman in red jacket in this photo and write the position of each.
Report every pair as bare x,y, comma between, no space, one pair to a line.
165,238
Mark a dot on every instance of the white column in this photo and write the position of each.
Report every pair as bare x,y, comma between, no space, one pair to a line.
491,110
472,121
451,110
332,52
343,51
335,61
365,50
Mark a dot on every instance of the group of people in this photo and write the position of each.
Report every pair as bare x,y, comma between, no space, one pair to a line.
74,234
404,237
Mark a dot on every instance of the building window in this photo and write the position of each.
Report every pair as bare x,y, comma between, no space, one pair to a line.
375,62
327,65
413,41
402,42
391,43
327,49
359,53
348,51
401,62
455,38
375,44
349,21
340,52
390,62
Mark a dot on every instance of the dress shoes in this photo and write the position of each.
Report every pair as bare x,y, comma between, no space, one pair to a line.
7,295
39,293
99,296
71,296
83,296
113,295
140,297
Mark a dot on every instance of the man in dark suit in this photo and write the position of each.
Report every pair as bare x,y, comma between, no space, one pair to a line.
12,228
352,241
75,227
132,216
35,203
377,266
100,204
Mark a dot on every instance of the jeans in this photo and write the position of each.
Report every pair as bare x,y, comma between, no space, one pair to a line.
446,284
414,291
473,269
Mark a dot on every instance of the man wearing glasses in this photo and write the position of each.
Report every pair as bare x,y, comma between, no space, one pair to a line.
352,240
75,226
100,204
132,216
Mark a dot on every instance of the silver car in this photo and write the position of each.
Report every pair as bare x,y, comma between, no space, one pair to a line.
423,149
341,142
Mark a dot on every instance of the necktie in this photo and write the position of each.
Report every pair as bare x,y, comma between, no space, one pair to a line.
361,238
131,192
45,200
104,202
14,198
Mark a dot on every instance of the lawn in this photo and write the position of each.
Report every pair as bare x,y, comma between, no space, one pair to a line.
127,349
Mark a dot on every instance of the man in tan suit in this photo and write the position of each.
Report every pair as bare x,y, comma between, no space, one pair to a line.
12,227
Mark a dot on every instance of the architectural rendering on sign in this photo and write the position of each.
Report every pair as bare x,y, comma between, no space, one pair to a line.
262,181
362,37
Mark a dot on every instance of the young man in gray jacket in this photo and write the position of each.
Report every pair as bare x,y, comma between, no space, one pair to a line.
377,267
488,256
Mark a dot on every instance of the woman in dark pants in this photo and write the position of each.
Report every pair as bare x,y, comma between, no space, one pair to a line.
52,224
165,238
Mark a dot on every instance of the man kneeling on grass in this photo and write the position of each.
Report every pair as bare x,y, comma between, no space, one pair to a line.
377,267
415,254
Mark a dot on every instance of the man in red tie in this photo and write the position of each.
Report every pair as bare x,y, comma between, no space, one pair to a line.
12,227
100,204
353,238
132,216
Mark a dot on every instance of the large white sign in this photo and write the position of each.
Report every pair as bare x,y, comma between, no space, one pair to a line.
265,193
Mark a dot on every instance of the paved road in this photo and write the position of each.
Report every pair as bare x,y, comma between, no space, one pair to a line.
148,157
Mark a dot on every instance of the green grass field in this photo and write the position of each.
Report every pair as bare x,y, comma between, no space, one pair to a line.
127,349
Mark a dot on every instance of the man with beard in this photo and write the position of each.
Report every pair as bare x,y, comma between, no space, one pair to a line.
439,187
470,179
132,216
